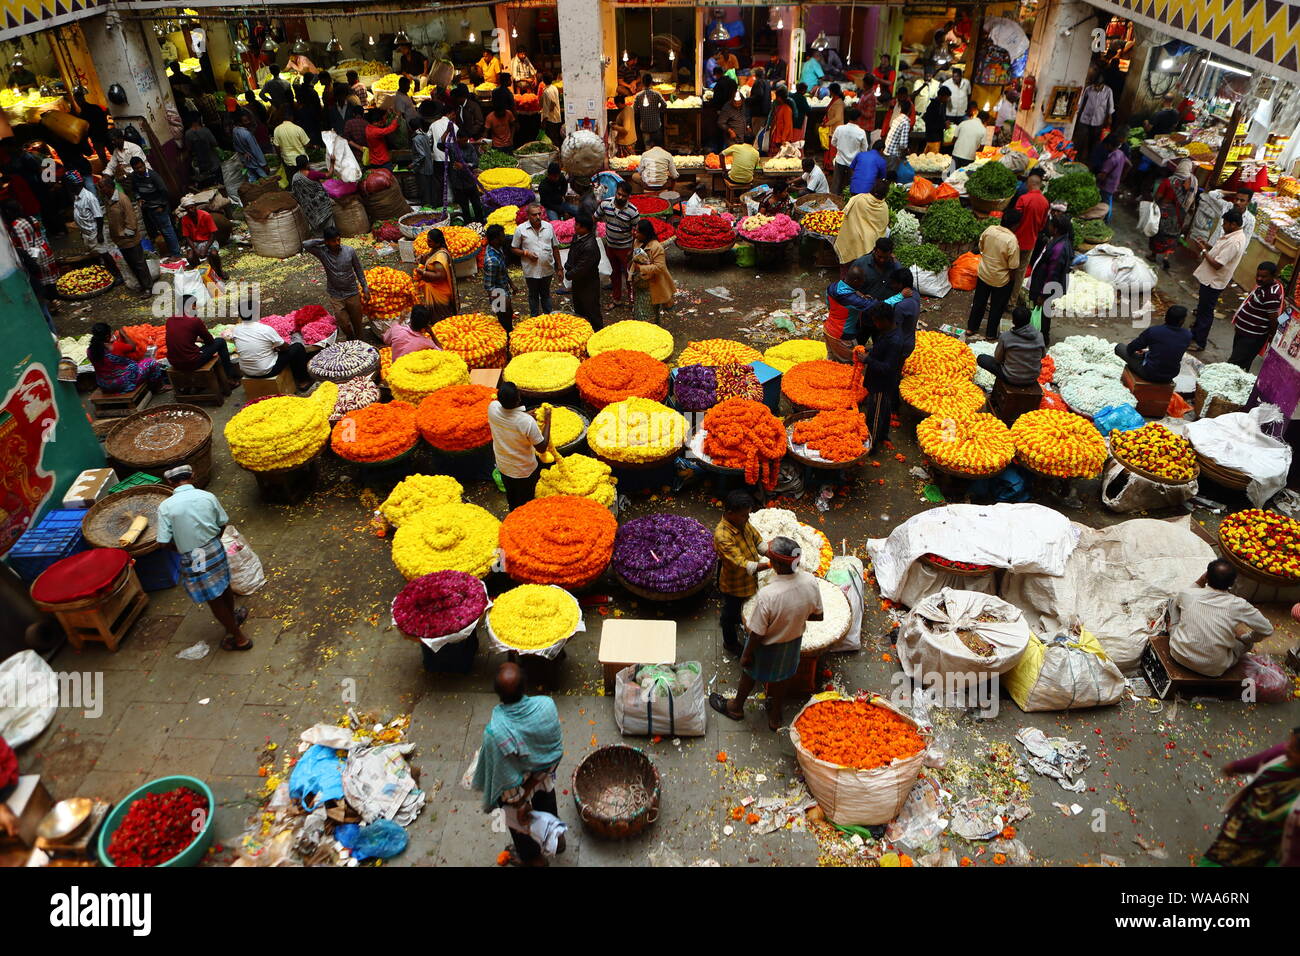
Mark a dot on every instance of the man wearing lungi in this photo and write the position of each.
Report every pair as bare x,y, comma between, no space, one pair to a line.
192,521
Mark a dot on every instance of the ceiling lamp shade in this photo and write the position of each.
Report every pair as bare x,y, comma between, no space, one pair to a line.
401,38
241,48
334,45
301,46
269,45
821,44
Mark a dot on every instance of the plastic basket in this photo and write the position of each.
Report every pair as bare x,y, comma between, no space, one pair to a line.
55,537
159,570
192,855
139,478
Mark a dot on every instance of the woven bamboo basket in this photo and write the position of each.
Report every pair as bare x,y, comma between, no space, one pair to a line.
1254,573
108,519
160,438
1227,477
616,791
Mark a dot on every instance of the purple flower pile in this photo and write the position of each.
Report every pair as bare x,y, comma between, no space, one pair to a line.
507,196
664,553
695,388
440,603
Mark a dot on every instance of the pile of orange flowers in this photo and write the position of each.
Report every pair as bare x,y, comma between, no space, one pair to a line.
476,337
941,395
562,539
461,241
824,385
455,418
551,332
940,356
621,373
857,733
391,293
146,335
718,352
741,433
976,444
1060,444
375,433
837,435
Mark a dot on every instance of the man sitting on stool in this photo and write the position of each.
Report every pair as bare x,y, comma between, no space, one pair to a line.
1018,359
1210,628
1157,354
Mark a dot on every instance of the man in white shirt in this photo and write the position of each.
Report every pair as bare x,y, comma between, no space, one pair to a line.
813,179
1218,263
1210,628
848,140
515,439
535,244
1239,200
959,87
969,138
121,152
1008,108
263,354
656,171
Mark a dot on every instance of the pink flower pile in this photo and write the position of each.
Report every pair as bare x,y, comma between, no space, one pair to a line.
313,321
781,228
563,229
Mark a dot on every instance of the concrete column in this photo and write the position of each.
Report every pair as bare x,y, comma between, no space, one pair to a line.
582,52
125,53
1057,60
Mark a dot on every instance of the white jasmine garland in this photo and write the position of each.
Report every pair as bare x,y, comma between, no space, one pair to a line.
984,379
781,522
1227,382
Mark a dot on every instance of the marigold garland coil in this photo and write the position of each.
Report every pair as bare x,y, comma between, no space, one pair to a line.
1155,449
417,375
836,435
578,475
476,337
824,385
655,341
455,418
416,493
636,430
1060,444
744,434
974,444
566,424
938,355
790,353
551,332
378,432
937,395
392,294
718,352
533,617
563,540
857,734
1263,539
461,242
450,537
282,432
542,371
621,373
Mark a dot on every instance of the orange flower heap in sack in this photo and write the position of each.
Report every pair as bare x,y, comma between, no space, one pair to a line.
824,385
741,433
391,293
455,418
939,355
857,733
551,332
563,540
375,433
476,337
718,352
418,374
941,395
621,373
838,435
1060,444
977,444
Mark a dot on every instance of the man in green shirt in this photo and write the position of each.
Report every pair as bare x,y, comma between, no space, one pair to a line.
744,158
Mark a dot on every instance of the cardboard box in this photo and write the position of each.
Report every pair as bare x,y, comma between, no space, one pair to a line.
91,485
625,641
491,377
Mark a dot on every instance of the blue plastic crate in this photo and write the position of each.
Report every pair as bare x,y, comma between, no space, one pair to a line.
770,379
53,538
159,570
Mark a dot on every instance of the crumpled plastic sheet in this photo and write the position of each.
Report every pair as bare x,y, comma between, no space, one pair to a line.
1056,757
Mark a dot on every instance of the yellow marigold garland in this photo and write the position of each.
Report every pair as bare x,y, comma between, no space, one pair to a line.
532,617
1060,444
974,444
417,375
718,352
788,354
281,432
654,340
449,537
416,493
636,430
578,475
551,332
542,371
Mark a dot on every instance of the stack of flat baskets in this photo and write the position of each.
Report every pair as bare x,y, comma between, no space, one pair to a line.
110,517
160,438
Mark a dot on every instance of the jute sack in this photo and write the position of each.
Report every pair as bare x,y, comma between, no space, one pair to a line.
386,204
350,216
852,797
280,236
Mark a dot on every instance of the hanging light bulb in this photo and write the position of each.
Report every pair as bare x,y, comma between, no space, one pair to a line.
472,38
269,45
780,23
672,55
18,62
1167,63
301,46
159,31
400,37
333,46
625,56
241,48
718,32
821,43
514,34
370,40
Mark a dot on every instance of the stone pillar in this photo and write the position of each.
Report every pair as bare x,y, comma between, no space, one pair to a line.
1058,60
125,53
582,54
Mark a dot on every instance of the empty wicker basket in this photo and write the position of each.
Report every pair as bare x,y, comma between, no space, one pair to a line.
162,437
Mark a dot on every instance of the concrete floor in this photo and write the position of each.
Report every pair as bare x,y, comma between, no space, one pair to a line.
323,622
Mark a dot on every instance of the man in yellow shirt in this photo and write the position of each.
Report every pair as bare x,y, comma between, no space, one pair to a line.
999,260
488,67
744,158
737,543
290,140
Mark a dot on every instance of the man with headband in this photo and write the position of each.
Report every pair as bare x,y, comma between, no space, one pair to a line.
777,618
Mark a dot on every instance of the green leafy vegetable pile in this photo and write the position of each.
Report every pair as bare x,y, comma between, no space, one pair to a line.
1077,190
897,197
991,181
495,159
948,221
925,256
535,147
1092,230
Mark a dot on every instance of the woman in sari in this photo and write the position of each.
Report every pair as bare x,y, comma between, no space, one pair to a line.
1262,826
1174,197
114,371
436,279
317,207
652,284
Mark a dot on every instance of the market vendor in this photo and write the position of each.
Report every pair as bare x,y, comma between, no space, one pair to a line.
877,267
192,522
516,438
488,67
88,214
21,78
733,126
866,219
995,279
780,613
345,280
1261,825
867,169
847,300
315,202
190,345
656,171
522,70
264,354
411,62
1218,265
1210,628
738,544
1238,199
1157,354
199,234
777,201
1018,358
115,371
410,336
882,368
1256,319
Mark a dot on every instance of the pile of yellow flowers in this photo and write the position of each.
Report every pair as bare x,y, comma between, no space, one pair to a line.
417,375
504,176
636,430
578,475
941,395
655,341
827,222
551,332
566,424
387,84
282,432
417,493
450,537
504,216
476,337
1060,444
938,355
788,354
977,444
1156,450
718,352
542,371
533,617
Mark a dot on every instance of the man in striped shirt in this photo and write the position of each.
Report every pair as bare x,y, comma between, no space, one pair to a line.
1256,319
900,130
620,218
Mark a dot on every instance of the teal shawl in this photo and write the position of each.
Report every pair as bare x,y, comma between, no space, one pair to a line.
520,739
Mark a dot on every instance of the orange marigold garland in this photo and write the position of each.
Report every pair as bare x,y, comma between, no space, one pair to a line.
551,332
476,337
391,293
837,435
718,352
824,385
941,395
741,433
937,354
455,418
562,539
621,373
977,444
377,432
1060,444
857,733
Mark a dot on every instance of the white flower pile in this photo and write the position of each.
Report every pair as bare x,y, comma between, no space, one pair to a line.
1090,392
685,102
75,348
929,162
1078,354
782,163
1226,381
983,378
688,162
817,635
781,522
1086,296
906,230
353,394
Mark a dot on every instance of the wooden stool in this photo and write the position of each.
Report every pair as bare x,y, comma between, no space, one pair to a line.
734,191
204,384
1011,401
102,617
118,404
282,384
1166,675
1153,399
